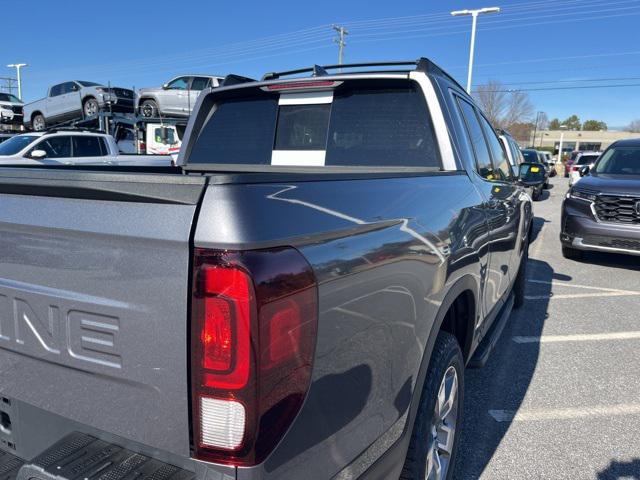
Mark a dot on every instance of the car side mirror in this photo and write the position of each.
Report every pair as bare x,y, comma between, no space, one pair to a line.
38,154
165,86
531,174
584,170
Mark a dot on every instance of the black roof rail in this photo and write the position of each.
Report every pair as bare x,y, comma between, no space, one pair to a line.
422,64
74,129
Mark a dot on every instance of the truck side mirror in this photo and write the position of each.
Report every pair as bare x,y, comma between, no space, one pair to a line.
165,86
38,154
531,174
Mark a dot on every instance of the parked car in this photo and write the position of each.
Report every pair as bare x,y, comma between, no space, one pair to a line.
306,287
177,97
602,211
569,162
76,99
70,147
550,163
10,109
584,158
534,156
511,148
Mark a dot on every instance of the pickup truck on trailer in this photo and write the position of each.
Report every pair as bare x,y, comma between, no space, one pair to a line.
74,100
297,299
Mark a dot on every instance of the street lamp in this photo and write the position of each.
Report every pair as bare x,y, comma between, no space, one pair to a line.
18,66
474,15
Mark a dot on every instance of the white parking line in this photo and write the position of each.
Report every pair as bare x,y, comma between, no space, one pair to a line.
540,414
588,287
600,292
594,337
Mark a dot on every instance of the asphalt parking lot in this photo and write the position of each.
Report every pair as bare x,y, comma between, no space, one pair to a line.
559,398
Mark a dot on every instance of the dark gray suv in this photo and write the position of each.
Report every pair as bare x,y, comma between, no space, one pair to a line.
602,210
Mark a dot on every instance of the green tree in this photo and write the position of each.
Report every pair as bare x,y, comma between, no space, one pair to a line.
572,123
554,124
594,125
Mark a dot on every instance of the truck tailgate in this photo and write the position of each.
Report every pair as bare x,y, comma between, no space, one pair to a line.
94,281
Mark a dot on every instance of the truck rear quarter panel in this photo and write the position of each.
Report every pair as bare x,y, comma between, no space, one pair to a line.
385,252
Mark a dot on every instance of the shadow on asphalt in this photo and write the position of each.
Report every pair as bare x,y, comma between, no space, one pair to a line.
612,260
621,470
538,222
503,383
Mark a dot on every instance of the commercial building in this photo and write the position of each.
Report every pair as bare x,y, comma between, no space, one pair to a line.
578,139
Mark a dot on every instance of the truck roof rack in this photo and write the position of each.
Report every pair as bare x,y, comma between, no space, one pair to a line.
74,129
422,65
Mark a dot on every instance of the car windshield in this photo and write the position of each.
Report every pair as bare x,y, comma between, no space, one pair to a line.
88,84
15,144
7,97
620,161
531,156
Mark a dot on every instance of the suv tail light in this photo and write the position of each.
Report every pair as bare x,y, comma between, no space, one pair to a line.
253,333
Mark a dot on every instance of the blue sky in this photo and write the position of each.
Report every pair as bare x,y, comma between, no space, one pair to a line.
144,43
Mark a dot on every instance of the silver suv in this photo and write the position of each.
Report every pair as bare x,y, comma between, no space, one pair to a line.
176,97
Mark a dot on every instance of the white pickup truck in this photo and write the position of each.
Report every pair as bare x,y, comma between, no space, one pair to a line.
72,147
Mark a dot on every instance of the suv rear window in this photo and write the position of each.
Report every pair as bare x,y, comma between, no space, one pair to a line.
364,126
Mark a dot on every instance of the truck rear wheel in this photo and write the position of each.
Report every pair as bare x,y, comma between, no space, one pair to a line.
434,441
37,123
149,109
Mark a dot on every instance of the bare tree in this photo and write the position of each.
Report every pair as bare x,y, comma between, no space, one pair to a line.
634,126
504,108
492,98
518,108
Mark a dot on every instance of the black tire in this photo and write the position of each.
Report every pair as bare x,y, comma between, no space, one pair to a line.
446,354
149,109
535,196
571,253
90,107
521,279
38,123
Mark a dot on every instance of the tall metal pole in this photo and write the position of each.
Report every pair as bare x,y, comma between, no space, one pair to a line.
18,66
342,32
474,16
472,49
535,129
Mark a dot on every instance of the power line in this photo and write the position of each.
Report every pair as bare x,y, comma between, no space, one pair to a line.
580,87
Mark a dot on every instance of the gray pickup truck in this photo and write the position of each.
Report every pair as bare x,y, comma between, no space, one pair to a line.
75,100
297,299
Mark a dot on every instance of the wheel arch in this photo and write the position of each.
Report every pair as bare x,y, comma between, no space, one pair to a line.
463,294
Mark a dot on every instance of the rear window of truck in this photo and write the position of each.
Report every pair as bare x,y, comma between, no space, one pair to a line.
360,126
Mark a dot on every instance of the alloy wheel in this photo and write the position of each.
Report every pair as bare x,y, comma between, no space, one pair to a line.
443,427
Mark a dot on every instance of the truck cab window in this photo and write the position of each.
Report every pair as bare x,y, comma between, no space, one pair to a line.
56,147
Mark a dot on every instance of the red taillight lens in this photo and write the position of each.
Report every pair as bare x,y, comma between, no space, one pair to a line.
575,169
254,322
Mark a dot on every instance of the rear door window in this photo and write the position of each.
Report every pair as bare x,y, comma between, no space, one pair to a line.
358,126
199,83
86,146
477,138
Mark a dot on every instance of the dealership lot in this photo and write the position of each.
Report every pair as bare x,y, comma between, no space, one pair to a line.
559,397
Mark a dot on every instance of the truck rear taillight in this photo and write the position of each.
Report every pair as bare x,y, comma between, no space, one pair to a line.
254,324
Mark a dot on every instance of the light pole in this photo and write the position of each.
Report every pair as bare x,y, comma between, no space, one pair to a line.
474,15
18,66
562,129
